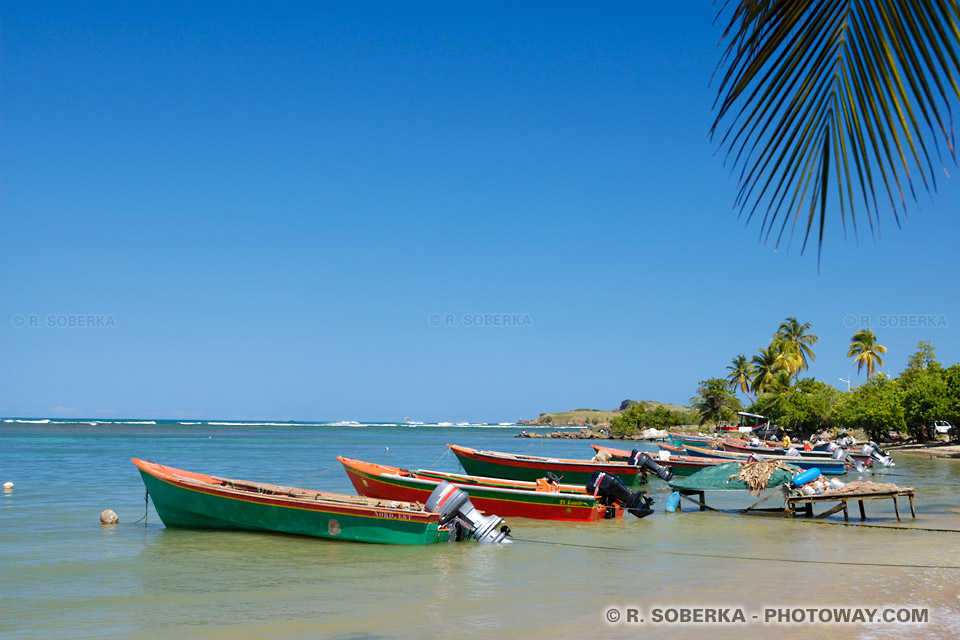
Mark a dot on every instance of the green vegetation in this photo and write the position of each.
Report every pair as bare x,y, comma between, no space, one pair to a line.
715,402
883,406
637,418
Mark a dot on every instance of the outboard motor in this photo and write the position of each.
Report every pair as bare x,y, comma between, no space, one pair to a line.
873,450
841,454
645,462
454,504
612,491
792,452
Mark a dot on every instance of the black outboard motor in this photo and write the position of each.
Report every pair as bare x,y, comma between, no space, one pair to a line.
645,462
611,491
454,504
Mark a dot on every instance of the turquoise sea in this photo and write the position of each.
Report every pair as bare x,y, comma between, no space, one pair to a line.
63,575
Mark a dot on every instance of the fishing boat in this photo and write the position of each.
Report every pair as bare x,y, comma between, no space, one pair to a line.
675,458
494,464
682,439
743,446
828,466
543,499
184,499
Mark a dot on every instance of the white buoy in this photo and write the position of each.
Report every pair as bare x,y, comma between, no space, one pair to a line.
107,516
8,486
388,448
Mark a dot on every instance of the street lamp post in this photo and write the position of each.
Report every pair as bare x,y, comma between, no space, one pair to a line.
848,384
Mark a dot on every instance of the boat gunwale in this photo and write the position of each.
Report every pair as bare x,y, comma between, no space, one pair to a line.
321,501
584,496
510,457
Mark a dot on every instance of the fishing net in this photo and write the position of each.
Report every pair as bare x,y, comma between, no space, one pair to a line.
753,477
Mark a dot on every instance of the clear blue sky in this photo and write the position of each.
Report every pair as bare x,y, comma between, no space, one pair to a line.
267,203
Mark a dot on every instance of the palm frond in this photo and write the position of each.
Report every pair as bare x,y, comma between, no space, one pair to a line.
836,101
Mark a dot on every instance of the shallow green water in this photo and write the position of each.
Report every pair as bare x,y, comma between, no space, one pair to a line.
63,575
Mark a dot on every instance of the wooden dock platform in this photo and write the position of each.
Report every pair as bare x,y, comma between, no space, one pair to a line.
795,504
803,505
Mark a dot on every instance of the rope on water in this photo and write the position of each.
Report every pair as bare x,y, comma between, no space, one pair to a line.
313,475
442,456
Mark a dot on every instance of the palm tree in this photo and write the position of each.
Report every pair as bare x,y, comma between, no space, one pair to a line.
766,365
844,102
865,351
741,372
798,341
714,402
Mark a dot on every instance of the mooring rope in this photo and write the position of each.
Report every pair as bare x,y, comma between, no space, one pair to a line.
146,508
313,475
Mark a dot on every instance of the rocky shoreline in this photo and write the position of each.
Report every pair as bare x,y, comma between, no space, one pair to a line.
593,434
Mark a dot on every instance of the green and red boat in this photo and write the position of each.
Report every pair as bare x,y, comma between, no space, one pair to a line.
184,499
494,464
542,499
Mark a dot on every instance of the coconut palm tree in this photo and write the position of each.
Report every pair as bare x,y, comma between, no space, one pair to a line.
714,402
797,341
741,372
846,103
865,351
766,364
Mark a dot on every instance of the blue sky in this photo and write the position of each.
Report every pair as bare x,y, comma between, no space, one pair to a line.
269,205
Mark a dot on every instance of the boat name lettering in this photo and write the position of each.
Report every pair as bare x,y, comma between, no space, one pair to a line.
391,515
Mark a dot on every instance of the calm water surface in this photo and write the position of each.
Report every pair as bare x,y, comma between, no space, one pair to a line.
63,575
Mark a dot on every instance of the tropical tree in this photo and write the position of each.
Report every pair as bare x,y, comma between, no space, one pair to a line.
797,342
766,364
741,374
865,351
715,402
842,102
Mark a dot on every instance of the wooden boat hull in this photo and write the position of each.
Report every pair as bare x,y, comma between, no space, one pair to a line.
506,498
828,467
682,465
196,501
493,464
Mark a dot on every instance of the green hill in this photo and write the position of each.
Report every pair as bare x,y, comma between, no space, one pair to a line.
597,417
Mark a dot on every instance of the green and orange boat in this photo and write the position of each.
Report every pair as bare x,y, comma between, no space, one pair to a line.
494,464
542,499
184,499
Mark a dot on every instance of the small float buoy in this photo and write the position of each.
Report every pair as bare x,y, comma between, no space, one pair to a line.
8,486
388,448
107,516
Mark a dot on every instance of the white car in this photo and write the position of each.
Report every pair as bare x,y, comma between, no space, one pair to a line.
942,426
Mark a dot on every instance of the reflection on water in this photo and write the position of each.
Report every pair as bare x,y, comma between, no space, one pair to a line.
63,575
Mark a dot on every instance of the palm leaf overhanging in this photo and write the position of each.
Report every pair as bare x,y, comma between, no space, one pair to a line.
839,97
